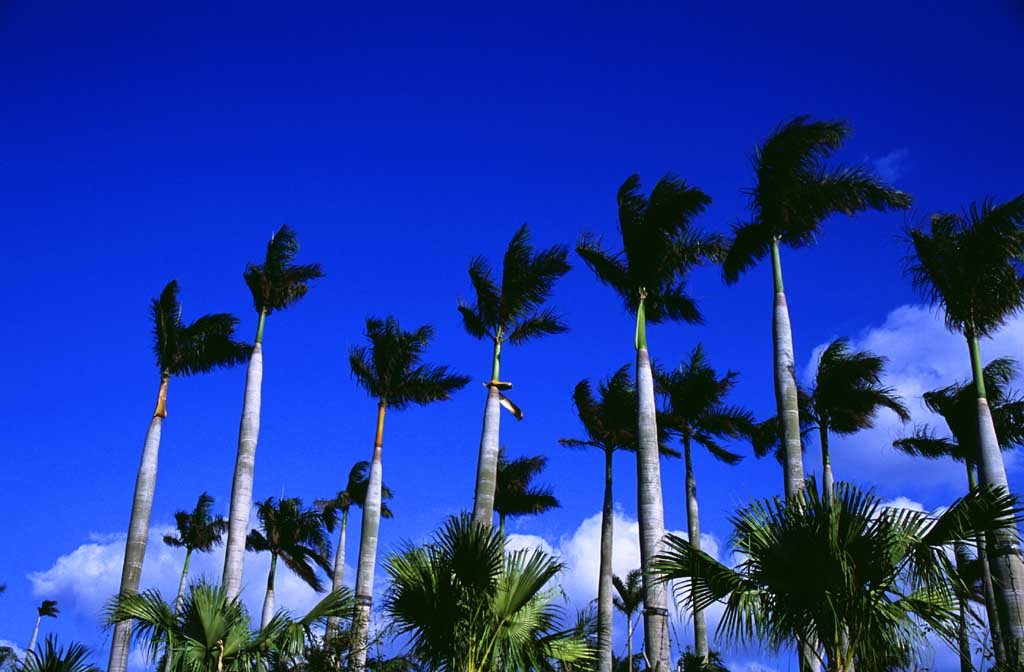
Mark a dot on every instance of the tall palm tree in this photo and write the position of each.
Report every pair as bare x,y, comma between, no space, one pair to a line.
696,411
629,601
970,265
660,245
49,609
198,530
181,350
390,369
794,193
609,421
511,313
52,658
275,284
354,493
297,536
846,572
515,493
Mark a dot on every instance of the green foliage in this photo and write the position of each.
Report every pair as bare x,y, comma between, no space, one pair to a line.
294,534
278,282
48,608
48,657
354,493
691,662
189,349
198,530
515,494
630,595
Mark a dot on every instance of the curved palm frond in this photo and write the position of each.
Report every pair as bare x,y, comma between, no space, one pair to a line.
278,282
198,530
295,534
48,608
515,494
190,349
49,657
848,390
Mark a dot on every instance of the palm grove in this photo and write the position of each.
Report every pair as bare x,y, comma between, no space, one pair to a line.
824,570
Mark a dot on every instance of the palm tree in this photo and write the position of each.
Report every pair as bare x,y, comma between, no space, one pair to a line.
47,608
970,265
389,369
846,572
465,604
354,493
610,424
629,601
696,411
795,191
52,658
957,404
212,633
275,284
294,534
181,350
513,314
660,246
197,531
515,494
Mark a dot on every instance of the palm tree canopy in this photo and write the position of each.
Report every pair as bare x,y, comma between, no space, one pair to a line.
630,592
198,530
848,390
695,407
48,608
354,493
189,349
278,282
48,657
390,368
513,312
515,493
971,265
660,244
295,534
795,191
767,436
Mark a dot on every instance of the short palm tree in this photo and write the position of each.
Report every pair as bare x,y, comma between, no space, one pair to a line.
515,494
275,285
971,265
198,530
297,536
696,411
181,350
466,605
794,193
629,601
389,369
510,312
49,609
52,658
660,246
846,572
354,493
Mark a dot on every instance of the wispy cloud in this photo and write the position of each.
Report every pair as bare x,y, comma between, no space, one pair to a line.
892,166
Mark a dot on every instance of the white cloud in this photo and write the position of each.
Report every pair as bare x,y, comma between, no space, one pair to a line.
19,652
891,166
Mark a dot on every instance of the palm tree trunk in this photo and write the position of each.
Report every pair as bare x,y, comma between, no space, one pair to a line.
629,643
337,578
650,505
487,462
826,463
138,527
700,628
986,580
963,641
786,399
604,581
245,465
35,635
1004,554
177,604
268,600
367,553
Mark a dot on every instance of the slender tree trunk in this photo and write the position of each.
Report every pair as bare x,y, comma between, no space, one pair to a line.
367,553
138,527
829,485
700,628
1004,553
963,640
501,523
245,465
629,643
604,580
650,505
338,577
991,612
786,399
268,600
178,601
487,463
35,635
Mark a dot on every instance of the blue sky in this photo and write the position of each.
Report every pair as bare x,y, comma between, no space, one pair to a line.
142,145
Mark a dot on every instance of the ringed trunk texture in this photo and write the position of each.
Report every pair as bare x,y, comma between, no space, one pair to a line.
245,465
367,554
338,577
604,582
138,529
700,628
651,514
268,600
487,463
35,635
785,385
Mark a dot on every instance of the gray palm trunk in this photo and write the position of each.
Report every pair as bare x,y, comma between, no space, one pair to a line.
1005,554
487,462
604,582
35,635
826,462
138,529
986,580
245,465
786,398
629,642
179,600
268,600
367,554
963,640
700,628
338,576
651,514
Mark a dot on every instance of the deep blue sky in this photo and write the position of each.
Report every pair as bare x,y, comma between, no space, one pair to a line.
143,144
